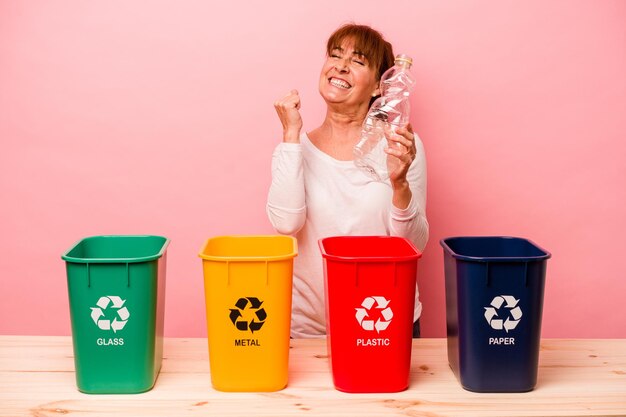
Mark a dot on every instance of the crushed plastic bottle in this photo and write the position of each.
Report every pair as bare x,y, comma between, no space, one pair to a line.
391,109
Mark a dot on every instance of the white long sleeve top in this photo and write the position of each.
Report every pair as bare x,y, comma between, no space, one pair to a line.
313,196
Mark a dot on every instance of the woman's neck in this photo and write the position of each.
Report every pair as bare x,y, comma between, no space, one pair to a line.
338,134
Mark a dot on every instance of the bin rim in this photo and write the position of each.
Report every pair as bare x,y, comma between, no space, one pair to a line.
136,259
282,257
371,259
546,255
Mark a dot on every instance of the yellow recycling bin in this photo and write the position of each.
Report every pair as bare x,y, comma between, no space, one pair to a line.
247,284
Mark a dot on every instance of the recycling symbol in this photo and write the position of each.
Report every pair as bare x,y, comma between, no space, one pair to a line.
501,304
244,306
102,320
368,323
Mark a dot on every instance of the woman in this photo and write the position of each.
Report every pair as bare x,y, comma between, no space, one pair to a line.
316,189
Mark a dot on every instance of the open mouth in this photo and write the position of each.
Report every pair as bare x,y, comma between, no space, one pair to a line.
336,82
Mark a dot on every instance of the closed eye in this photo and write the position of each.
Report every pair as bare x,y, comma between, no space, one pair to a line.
359,58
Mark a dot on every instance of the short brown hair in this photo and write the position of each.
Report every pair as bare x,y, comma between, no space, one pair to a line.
370,42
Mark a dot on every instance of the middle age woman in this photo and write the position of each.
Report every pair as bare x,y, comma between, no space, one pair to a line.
316,189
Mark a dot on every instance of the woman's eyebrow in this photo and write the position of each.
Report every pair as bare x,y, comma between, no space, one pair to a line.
355,52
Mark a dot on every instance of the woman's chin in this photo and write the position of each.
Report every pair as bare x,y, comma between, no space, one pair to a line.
334,97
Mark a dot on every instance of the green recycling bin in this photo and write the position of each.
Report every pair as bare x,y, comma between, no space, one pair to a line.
116,287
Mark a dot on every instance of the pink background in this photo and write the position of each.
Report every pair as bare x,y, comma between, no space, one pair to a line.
156,117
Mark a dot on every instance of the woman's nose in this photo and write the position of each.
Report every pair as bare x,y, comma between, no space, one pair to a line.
342,65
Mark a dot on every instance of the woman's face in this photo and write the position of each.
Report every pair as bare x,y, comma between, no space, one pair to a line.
346,77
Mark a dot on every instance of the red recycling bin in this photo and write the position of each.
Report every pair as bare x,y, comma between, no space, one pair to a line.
370,297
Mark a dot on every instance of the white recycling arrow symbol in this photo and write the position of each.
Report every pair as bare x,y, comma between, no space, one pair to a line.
506,303
386,314
115,303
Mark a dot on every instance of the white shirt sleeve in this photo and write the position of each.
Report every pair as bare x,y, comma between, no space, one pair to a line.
411,222
286,205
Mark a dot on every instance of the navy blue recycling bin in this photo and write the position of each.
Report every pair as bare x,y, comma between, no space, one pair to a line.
494,303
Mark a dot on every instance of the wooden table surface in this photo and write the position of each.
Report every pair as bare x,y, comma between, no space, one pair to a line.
576,378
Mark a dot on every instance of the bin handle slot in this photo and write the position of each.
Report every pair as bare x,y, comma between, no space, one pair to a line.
525,273
88,275
267,273
487,274
127,274
395,273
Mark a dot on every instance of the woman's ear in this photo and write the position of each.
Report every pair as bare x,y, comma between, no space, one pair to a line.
376,92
